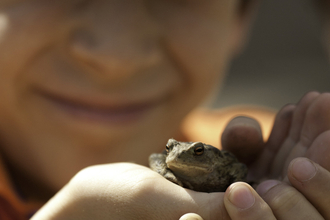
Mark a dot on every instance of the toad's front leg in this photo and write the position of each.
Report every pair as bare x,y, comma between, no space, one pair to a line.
171,177
157,162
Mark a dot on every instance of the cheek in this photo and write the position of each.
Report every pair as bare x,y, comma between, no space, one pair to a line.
201,55
197,41
21,42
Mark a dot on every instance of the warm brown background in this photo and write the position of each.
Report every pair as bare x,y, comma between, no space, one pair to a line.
284,59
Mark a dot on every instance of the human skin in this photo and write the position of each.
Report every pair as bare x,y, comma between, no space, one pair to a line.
120,67
294,161
90,82
104,196
99,191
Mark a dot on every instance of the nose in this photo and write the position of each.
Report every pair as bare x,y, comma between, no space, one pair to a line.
116,38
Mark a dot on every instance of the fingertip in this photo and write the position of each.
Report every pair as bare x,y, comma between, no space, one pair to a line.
243,137
287,111
243,121
240,195
312,181
311,95
302,169
243,202
191,216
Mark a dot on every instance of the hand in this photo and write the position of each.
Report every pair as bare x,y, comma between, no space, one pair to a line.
299,130
128,191
307,197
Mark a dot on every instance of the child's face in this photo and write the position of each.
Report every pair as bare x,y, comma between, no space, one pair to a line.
95,81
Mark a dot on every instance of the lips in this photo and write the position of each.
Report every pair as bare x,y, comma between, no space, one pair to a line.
100,110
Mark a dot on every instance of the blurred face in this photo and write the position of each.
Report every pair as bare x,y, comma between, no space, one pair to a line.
97,81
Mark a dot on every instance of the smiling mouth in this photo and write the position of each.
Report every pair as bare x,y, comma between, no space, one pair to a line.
99,112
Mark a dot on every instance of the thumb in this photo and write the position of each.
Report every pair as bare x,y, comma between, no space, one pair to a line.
243,137
243,202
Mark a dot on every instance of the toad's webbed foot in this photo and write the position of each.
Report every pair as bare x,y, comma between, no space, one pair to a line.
171,177
158,164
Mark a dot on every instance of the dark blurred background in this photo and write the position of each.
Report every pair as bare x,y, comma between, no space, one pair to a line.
283,60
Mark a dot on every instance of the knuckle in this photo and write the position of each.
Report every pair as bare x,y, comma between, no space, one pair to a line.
282,198
83,176
262,211
265,210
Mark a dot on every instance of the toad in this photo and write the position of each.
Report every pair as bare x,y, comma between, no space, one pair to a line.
198,166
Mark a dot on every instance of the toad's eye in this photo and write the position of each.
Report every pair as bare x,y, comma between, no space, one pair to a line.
199,150
167,148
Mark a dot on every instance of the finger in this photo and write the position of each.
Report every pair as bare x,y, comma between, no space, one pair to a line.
281,128
317,120
294,134
191,216
279,133
242,202
287,202
299,115
312,181
319,151
243,137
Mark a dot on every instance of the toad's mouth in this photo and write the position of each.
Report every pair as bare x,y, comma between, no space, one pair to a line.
189,167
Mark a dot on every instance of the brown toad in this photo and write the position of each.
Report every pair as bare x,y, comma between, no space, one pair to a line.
198,166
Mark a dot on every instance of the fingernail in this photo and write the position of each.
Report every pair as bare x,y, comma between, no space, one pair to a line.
264,187
241,196
302,169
